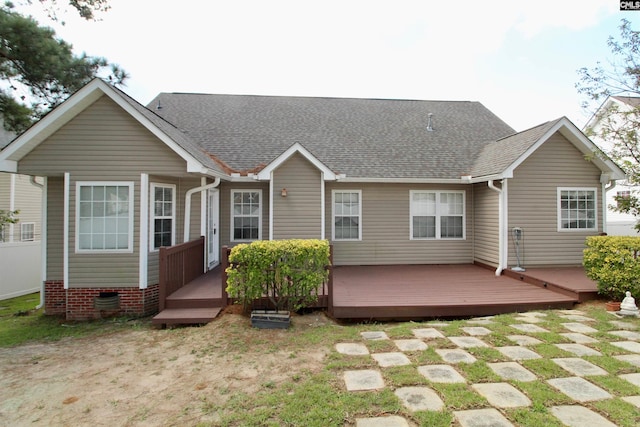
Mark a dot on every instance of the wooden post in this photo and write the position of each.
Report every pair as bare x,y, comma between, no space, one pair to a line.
162,286
223,275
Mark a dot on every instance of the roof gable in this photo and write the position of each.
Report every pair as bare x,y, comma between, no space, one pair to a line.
265,174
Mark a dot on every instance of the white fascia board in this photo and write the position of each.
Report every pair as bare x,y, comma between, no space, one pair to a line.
8,166
403,180
265,174
579,140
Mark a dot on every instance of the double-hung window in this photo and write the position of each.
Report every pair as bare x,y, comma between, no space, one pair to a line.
104,216
246,215
347,215
577,209
27,231
437,215
163,211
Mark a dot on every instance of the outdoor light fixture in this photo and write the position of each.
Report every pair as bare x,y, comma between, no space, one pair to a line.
283,193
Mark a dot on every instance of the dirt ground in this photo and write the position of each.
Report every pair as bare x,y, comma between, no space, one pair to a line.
148,377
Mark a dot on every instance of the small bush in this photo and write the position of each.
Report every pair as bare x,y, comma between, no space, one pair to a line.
612,261
288,272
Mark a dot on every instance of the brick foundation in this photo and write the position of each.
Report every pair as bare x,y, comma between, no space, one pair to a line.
78,303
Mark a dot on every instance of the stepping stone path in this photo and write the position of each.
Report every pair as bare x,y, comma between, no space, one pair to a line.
500,398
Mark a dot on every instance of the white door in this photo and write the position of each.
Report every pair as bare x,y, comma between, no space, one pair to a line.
213,239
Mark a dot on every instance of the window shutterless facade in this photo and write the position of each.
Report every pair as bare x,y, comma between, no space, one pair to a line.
246,215
27,231
437,214
163,215
104,217
577,209
347,215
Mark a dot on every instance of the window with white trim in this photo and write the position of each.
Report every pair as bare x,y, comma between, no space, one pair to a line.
246,215
163,215
437,214
347,215
577,209
27,231
104,216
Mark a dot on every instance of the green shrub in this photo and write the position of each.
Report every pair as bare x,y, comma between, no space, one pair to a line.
288,272
612,261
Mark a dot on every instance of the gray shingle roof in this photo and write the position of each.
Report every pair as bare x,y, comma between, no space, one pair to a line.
362,138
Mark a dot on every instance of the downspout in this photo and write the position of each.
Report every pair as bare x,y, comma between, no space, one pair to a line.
187,205
43,238
501,220
605,190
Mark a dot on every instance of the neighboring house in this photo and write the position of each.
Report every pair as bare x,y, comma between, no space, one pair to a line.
20,247
385,181
618,223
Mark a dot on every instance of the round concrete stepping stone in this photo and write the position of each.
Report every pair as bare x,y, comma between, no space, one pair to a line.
579,367
476,330
634,400
363,380
455,355
527,327
577,317
419,399
441,374
579,327
391,421
481,321
411,345
529,319
512,371
374,335
481,418
391,359
629,335
427,333
468,342
524,340
502,395
631,346
578,349
517,352
352,349
632,378
579,416
579,338
570,311
634,359
579,389
623,325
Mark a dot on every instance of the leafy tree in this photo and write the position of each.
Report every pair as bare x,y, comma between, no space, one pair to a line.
7,217
39,70
618,127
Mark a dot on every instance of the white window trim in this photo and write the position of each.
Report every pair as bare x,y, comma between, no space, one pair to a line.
152,214
333,215
438,215
559,209
33,231
129,248
260,206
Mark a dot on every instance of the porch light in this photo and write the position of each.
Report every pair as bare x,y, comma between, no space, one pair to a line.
283,193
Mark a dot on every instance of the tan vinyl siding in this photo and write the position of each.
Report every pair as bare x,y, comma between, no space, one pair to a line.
225,208
486,224
28,199
385,228
532,198
102,143
299,215
5,190
55,212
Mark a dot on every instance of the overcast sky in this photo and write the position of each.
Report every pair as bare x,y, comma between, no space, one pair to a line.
518,58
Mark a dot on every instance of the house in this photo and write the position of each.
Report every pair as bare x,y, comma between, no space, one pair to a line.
610,115
386,181
20,246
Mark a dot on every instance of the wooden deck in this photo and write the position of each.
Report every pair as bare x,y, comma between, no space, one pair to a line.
409,292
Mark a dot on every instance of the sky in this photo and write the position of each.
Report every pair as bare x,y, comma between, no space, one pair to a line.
519,59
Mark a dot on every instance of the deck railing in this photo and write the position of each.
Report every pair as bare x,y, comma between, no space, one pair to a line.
179,265
325,290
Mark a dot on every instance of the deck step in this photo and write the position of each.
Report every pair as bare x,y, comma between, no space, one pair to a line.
186,316
174,303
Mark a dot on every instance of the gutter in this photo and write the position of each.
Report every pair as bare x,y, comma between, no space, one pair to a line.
43,238
187,205
501,221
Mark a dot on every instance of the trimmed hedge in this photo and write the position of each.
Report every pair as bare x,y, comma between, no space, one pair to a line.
613,262
288,272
